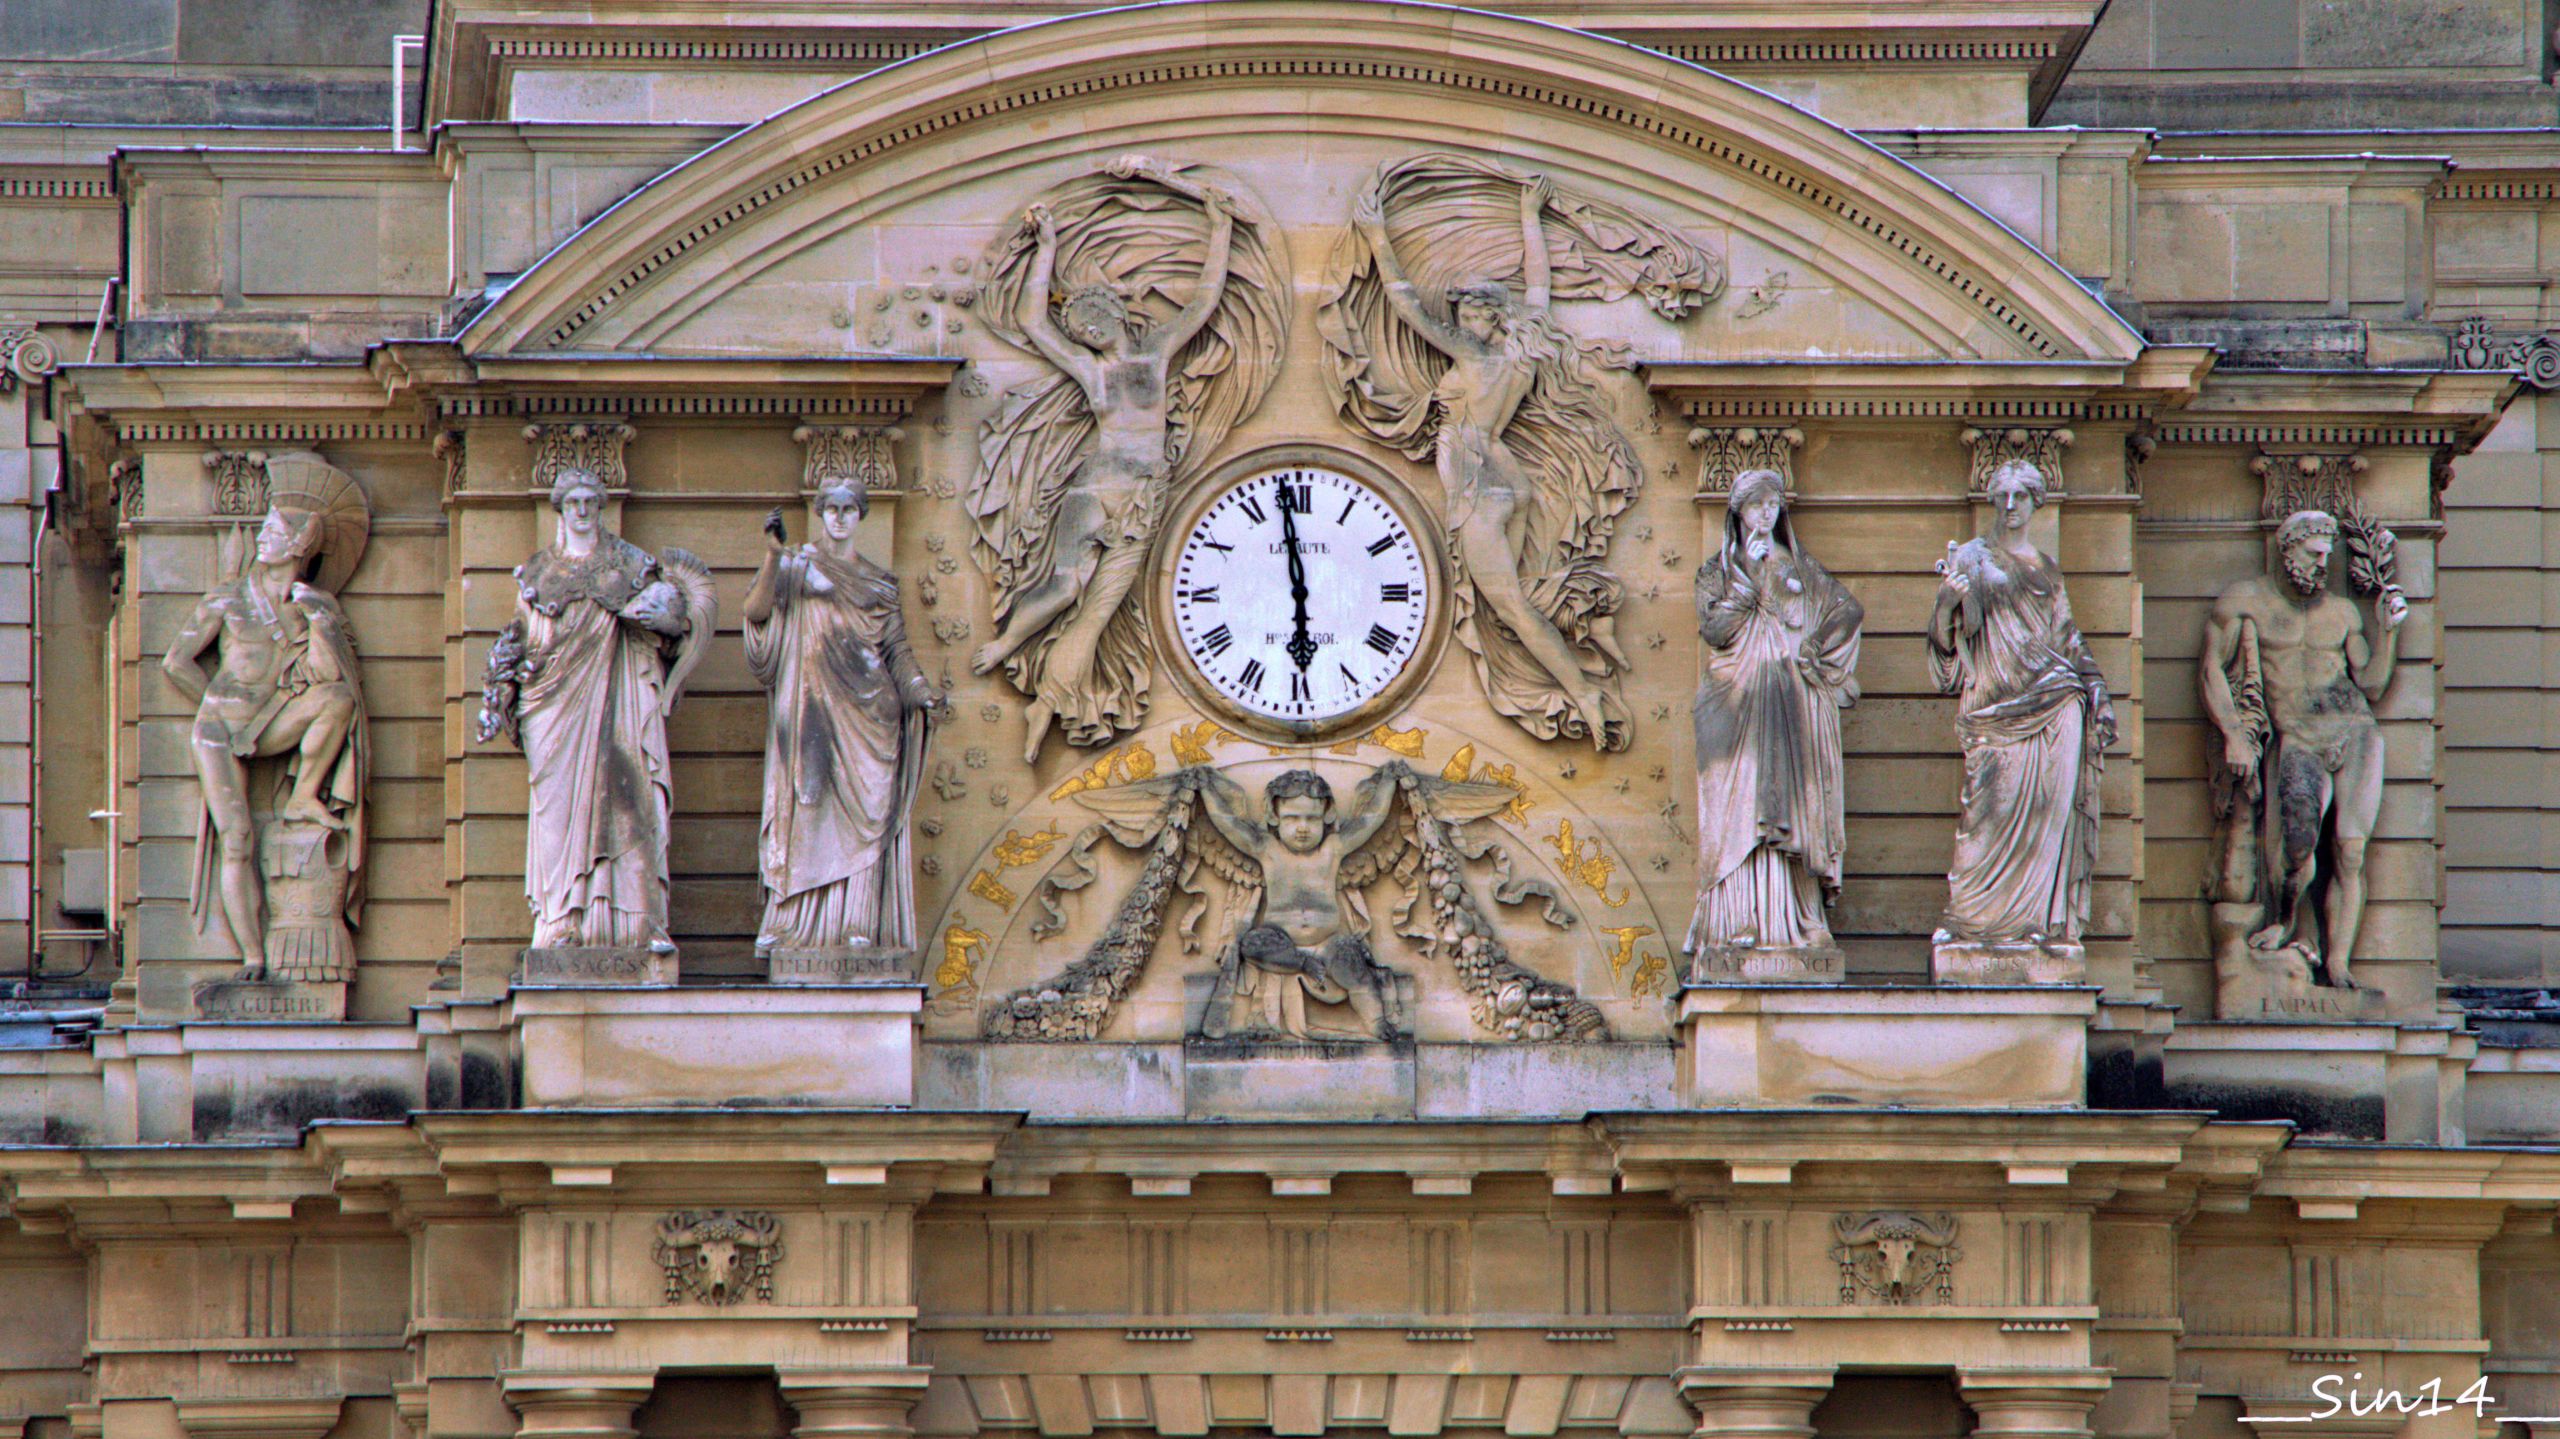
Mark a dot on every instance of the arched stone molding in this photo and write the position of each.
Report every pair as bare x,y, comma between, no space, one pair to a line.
1875,228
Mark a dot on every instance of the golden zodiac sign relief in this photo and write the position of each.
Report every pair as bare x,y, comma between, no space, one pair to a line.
1131,762
986,886
1652,978
1191,742
961,950
1589,866
1625,952
1017,849
1507,776
1407,743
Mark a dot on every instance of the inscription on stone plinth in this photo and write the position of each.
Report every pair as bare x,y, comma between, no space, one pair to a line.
1957,962
270,1001
846,965
1724,964
598,965
2276,1001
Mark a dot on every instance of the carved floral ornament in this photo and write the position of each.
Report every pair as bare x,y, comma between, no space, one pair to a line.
593,447
2476,345
25,355
1896,1256
1725,451
1993,448
859,455
717,1255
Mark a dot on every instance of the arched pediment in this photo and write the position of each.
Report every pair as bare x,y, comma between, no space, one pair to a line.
1302,99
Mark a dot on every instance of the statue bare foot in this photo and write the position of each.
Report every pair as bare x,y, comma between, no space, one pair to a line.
1038,715
1586,707
310,811
991,654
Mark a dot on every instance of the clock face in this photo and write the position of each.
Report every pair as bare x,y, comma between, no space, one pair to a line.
1308,641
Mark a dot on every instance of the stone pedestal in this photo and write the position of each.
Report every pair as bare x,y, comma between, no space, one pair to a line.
808,1045
1959,961
843,964
270,1001
2031,1411
1298,1079
597,965
1783,1046
2402,1083
1813,964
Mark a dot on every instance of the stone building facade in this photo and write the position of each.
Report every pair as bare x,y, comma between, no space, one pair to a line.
328,1112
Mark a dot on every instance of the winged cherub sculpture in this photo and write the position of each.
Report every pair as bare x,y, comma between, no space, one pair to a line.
1296,864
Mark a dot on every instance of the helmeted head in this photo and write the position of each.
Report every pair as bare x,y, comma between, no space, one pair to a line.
2303,545
1482,308
578,498
289,537
2016,492
841,506
1095,317
1301,806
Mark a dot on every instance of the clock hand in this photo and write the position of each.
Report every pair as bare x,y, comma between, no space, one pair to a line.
1302,646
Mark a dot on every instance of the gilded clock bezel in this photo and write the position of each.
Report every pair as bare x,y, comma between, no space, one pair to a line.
1418,520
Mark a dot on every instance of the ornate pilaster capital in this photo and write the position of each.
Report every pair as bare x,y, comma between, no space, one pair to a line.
1993,447
2293,481
238,479
591,445
576,1406
1754,1404
852,1404
1725,451
863,456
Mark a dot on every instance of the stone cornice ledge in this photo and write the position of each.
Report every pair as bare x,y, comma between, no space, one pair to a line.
2162,377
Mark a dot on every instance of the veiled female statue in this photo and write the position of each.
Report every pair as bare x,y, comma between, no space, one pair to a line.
844,750
2034,721
1779,664
1431,350
582,681
1158,295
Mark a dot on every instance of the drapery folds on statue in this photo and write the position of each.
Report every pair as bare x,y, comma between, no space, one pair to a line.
845,743
1430,349
1159,295
583,681
1778,664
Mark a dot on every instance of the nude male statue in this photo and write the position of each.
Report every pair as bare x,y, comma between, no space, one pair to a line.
2320,673
286,684
1304,939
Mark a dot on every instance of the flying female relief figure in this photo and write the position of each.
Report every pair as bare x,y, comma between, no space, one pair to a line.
1430,350
1169,330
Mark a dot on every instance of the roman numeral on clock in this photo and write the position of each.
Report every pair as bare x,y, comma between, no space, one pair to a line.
1382,639
1217,640
1252,677
1205,595
1298,690
1250,508
1296,499
1382,544
1395,594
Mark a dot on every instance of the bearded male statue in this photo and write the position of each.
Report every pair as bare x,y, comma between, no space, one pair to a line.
2290,674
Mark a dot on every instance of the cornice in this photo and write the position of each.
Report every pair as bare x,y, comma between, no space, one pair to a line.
2161,377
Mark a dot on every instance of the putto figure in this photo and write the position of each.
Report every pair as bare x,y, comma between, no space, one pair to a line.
1780,664
583,680
1298,864
1170,329
1432,349
285,875
2290,673
2034,720
844,750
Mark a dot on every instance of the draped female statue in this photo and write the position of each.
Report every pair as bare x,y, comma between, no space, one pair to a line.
2034,721
583,680
844,750
1779,664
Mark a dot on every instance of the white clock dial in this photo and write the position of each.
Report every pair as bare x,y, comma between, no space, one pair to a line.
1316,644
